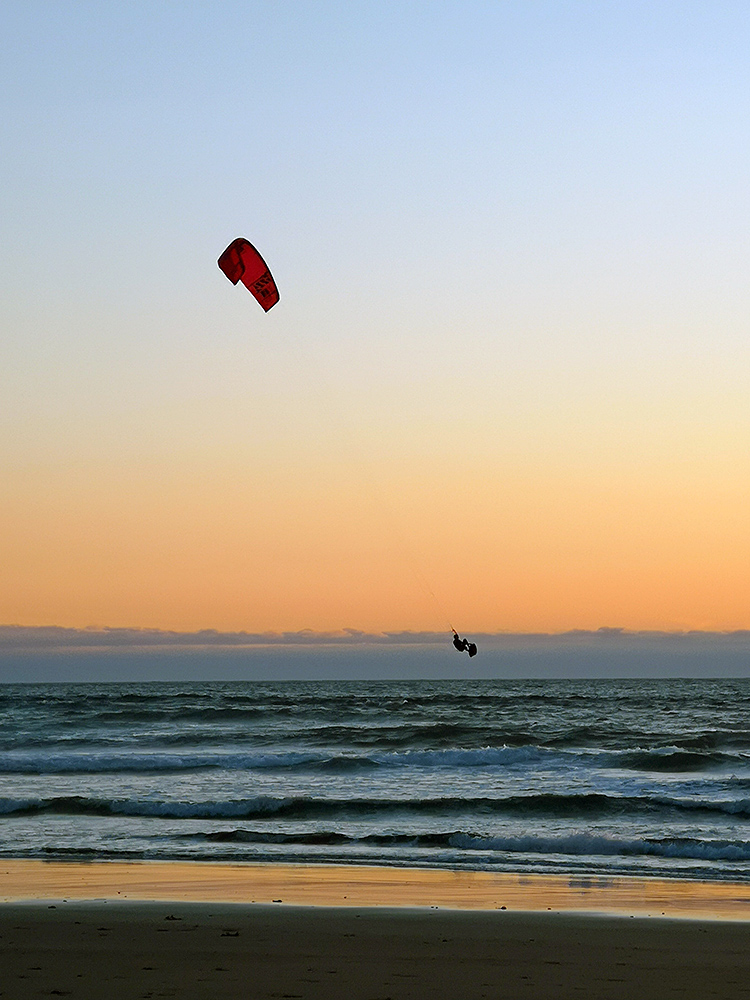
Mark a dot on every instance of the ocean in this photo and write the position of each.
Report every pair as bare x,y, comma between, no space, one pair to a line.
646,777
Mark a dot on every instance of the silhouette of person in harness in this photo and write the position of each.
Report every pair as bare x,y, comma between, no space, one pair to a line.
463,645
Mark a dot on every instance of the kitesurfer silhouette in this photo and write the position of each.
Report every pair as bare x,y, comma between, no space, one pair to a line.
463,645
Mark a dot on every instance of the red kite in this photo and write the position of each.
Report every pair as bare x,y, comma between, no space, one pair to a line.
242,261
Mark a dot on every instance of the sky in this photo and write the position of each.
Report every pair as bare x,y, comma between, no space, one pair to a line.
506,385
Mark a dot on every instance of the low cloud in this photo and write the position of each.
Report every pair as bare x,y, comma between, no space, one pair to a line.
52,637
53,653
48,637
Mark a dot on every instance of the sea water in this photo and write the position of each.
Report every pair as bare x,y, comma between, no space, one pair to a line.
648,777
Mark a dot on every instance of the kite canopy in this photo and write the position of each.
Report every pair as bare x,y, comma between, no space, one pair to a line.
241,261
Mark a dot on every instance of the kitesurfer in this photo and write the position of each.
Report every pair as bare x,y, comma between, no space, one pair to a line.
463,645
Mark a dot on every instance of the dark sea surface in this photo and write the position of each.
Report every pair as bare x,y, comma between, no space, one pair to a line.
647,777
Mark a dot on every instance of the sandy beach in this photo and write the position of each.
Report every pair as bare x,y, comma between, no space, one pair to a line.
271,931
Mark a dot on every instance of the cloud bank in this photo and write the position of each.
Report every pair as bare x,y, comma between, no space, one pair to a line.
53,653
54,637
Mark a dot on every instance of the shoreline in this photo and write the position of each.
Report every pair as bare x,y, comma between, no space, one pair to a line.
369,886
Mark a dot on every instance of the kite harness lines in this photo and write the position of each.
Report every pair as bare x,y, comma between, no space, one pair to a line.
242,262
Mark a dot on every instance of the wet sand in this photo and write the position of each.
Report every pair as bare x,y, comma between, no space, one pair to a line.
212,931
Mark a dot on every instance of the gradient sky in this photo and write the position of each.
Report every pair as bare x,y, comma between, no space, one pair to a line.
507,384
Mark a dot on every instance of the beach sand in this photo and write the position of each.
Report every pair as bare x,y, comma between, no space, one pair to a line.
213,931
